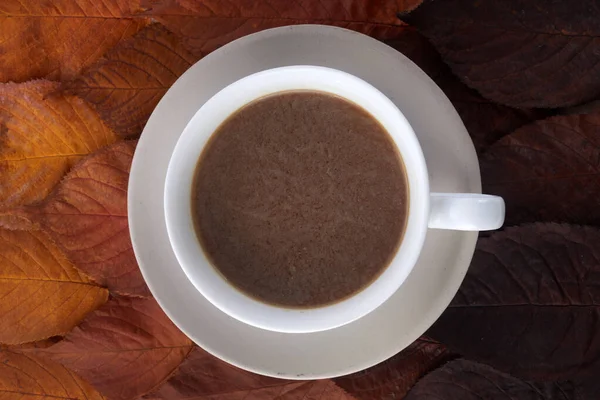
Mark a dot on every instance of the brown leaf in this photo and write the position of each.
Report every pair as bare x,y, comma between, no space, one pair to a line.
530,303
393,378
205,26
523,53
56,39
124,349
87,217
25,377
485,121
468,380
548,170
42,293
204,377
40,344
41,136
126,84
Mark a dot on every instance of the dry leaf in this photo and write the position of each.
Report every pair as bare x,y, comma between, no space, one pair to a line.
126,84
26,377
42,293
207,25
56,39
485,121
468,380
124,349
204,377
41,136
393,378
530,303
548,170
87,217
40,344
523,53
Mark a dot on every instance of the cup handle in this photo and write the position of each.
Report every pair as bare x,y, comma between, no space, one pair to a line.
466,211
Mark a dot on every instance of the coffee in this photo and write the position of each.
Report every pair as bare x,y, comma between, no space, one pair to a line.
300,199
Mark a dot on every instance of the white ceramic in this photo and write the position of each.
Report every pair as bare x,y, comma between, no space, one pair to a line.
435,278
178,195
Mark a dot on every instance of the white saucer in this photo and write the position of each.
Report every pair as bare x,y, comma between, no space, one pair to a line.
453,167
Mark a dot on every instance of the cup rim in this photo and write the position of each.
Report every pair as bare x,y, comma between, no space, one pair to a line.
206,278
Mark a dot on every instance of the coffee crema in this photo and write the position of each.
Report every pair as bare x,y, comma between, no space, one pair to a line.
300,199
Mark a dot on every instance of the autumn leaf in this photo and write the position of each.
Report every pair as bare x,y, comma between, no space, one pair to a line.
523,53
124,349
468,380
485,121
42,293
41,136
207,25
393,378
126,84
548,170
87,217
26,377
202,376
56,39
40,344
530,303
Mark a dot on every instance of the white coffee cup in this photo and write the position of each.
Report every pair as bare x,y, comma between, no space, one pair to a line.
426,210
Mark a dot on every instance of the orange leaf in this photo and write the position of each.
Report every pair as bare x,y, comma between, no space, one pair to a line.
127,83
207,25
56,39
26,377
204,377
393,378
87,218
41,136
42,293
125,348
40,344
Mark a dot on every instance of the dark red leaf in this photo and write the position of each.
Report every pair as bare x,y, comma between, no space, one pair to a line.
523,53
485,121
468,380
548,170
393,378
530,303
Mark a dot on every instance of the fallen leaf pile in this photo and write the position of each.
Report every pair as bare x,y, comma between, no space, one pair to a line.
80,79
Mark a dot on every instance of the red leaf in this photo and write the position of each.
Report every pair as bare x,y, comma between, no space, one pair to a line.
524,53
468,380
205,26
530,303
127,83
124,349
393,378
548,170
87,218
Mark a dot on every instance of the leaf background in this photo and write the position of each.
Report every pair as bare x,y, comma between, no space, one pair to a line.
79,80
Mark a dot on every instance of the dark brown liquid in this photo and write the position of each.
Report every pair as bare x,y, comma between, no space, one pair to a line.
300,199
